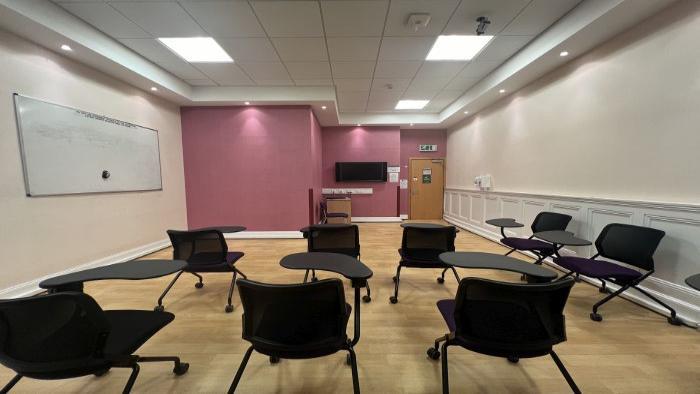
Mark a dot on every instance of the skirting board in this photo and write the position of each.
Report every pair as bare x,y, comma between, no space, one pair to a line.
264,235
683,309
32,287
404,216
376,219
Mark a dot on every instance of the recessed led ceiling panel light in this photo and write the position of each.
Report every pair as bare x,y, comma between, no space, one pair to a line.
197,49
411,104
457,47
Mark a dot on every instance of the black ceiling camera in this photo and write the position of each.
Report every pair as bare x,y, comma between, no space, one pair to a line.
105,174
483,24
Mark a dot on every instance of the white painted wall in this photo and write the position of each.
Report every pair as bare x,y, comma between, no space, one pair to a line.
621,122
45,235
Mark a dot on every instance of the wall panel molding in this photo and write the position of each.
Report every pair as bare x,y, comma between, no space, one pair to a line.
678,255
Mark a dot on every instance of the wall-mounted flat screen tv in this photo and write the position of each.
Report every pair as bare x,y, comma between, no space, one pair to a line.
360,171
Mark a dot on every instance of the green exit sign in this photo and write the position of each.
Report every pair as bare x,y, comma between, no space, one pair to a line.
427,148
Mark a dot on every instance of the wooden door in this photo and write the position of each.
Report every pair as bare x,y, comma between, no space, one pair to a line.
426,188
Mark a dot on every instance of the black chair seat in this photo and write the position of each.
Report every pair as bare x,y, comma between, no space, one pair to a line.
231,258
131,329
598,268
528,244
422,258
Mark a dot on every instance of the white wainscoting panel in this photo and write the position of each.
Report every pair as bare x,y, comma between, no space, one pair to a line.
677,257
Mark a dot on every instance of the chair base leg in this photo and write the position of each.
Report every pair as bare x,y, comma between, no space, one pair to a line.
11,384
355,377
239,373
564,372
229,306
160,307
395,298
445,372
199,284
132,379
441,278
434,352
673,320
367,297
179,367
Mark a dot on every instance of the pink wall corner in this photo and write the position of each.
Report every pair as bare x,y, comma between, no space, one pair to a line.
410,139
248,166
317,164
363,144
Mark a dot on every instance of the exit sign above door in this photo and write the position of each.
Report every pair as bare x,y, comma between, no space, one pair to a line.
427,148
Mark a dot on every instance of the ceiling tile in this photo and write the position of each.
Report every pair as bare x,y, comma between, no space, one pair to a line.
290,18
503,47
391,69
151,49
265,71
356,85
354,18
160,19
225,19
106,19
181,69
200,82
249,49
461,83
442,100
353,48
478,69
419,93
309,70
351,101
398,85
352,69
313,82
309,49
538,16
226,74
382,101
274,82
405,48
399,11
499,12
436,75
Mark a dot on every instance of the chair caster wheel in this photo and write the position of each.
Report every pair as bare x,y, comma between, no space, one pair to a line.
393,279
433,353
229,308
101,372
577,279
159,308
348,360
675,321
393,300
441,280
602,290
181,369
314,279
274,359
199,285
513,359
366,299
523,277
596,317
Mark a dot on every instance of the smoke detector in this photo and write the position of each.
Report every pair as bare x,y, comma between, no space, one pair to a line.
418,22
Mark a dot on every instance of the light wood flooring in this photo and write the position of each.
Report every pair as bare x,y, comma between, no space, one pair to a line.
632,351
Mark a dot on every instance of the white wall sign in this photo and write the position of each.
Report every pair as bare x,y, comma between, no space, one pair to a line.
427,148
404,184
393,177
395,169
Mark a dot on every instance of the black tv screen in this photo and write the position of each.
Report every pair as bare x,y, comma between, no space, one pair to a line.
360,171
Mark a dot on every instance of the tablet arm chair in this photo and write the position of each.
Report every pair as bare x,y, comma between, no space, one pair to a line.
295,321
626,243
67,335
335,238
325,215
204,251
544,221
509,320
421,248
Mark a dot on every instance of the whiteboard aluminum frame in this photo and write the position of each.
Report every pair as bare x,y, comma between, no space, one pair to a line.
25,173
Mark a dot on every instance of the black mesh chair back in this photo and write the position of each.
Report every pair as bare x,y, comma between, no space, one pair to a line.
427,243
54,332
198,247
294,320
335,238
511,319
629,244
550,221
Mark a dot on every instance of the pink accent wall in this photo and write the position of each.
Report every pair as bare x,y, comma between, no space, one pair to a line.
410,139
363,144
249,166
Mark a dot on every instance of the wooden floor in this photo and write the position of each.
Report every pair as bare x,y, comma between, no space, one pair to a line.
632,351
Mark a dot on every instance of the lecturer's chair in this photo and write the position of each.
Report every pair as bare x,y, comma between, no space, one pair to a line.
295,321
335,238
67,335
544,221
626,243
204,251
421,248
509,320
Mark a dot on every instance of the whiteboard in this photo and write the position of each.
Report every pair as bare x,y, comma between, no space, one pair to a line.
69,151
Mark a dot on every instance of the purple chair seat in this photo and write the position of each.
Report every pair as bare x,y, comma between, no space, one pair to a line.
527,244
597,268
447,309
